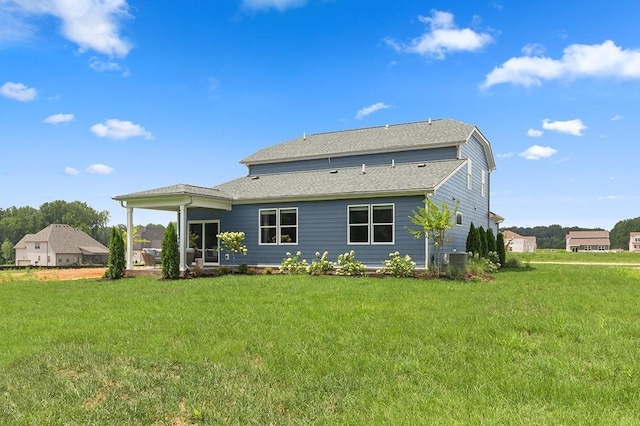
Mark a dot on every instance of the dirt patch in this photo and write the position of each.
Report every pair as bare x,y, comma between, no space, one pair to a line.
69,274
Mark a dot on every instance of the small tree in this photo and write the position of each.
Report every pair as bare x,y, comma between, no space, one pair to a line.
170,254
491,241
484,246
7,251
233,242
433,221
471,239
502,252
116,264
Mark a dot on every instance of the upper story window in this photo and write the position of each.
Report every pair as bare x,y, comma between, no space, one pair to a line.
37,246
370,224
279,226
469,173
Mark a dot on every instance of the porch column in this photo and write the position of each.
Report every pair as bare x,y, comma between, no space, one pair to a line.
183,237
129,237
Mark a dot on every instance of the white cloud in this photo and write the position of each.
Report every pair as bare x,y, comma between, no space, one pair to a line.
616,117
91,24
507,155
534,133
371,109
280,5
118,129
578,61
59,118
537,152
442,37
99,169
71,171
102,66
611,197
18,91
533,49
571,127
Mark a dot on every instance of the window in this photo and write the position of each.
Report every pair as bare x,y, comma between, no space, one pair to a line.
279,226
468,173
587,248
483,183
37,246
458,219
370,224
601,248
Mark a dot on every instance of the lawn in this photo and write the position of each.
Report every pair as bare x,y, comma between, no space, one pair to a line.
550,344
561,255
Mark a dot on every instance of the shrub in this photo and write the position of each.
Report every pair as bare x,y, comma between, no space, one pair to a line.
398,266
268,270
233,242
512,263
170,255
502,252
478,265
292,264
321,265
116,264
243,268
349,265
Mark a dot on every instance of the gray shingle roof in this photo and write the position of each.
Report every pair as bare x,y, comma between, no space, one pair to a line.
177,189
395,137
65,239
348,182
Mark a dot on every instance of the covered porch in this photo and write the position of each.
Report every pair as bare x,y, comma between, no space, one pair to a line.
179,199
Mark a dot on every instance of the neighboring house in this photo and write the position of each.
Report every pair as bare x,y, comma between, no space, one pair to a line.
588,241
60,245
151,238
518,243
337,191
634,242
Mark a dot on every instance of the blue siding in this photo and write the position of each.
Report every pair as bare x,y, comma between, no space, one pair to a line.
322,226
356,160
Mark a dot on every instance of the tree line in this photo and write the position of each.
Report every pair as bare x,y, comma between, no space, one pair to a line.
554,236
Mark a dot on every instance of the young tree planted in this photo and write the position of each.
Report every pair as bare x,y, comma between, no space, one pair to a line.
500,248
433,222
170,254
116,264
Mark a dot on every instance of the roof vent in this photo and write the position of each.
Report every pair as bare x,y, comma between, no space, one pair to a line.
255,177
333,171
386,126
422,165
429,120
393,163
304,136
363,172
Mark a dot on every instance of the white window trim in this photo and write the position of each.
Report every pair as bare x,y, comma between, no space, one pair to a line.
459,214
278,227
469,174
483,184
371,225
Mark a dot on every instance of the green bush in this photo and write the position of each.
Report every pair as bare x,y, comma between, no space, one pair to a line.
478,265
170,254
349,265
321,265
116,264
398,266
292,264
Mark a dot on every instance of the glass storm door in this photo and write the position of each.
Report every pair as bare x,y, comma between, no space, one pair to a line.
203,236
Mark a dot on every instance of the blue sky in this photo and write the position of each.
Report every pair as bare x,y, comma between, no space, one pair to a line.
106,97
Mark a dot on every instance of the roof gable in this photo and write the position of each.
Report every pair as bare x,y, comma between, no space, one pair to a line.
64,239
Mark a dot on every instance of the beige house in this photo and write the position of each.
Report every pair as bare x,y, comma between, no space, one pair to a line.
634,242
518,243
588,241
60,245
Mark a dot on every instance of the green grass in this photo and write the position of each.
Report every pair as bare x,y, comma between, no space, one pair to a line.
551,344
561,255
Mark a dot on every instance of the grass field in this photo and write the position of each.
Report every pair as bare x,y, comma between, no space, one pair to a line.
549,344
569,257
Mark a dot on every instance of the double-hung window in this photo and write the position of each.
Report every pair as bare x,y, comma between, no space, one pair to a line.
370,224
279,226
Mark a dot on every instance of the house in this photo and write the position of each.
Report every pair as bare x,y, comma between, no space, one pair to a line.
634,242
588,241
518,243
337,191
60,245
